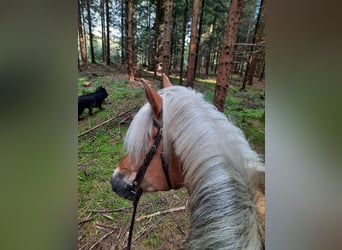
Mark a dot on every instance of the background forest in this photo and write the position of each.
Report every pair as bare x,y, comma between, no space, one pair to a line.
214,46
146,34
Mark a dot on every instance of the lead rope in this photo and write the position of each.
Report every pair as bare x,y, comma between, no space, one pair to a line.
135,204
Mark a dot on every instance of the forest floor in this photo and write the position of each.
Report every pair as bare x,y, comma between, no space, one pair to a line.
104,217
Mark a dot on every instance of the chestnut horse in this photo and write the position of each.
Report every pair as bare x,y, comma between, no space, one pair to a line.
205,153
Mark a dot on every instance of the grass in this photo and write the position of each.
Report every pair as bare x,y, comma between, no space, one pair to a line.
245,109
100,150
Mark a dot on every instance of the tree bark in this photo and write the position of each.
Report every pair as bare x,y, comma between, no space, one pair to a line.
192,51
226,57
211,40
123,32
130,40
257,56
199,34
150,51
107,40
103,28
90,34
185,19
167,38
249,73
262,74
84,33
173,45
157,35
81,38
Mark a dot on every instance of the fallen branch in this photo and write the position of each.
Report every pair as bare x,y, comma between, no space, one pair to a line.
103,237
171,210
110,119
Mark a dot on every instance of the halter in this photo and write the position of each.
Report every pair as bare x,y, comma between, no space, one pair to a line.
135,187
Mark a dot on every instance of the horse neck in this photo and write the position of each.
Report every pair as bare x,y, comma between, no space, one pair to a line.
213,155
223,214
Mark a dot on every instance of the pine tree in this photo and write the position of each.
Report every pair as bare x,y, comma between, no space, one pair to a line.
130,68
192,49
81,38
167,37
226,57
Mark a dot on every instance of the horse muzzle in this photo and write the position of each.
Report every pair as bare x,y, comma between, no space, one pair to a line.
121,186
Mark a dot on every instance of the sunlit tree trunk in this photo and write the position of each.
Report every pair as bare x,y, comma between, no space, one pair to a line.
81,38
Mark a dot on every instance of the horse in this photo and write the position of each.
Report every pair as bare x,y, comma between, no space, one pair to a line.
205,153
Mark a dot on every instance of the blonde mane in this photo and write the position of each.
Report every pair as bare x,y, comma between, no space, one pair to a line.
217,163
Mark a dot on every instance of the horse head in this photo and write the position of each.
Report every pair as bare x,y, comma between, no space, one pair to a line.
144,152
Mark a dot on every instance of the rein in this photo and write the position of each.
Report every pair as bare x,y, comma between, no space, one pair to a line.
135,187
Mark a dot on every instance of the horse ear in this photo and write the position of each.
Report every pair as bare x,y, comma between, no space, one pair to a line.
166,81
153,98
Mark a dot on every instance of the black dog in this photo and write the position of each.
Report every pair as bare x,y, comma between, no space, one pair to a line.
91,100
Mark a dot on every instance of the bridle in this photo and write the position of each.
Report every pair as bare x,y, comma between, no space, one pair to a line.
135,187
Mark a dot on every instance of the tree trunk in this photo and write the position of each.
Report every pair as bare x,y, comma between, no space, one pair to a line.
157,35
173,46
251,51
90,34
84,34
150,51
167,38
78,63
103,28
123,32
130,40
217,56
257,56
192,50
185,19
108,40
81,38
226,57
211,40
262,74
199,35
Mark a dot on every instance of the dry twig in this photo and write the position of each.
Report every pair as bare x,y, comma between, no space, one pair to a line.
109,210
86,220
107,216
110,119
103,237
171,210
